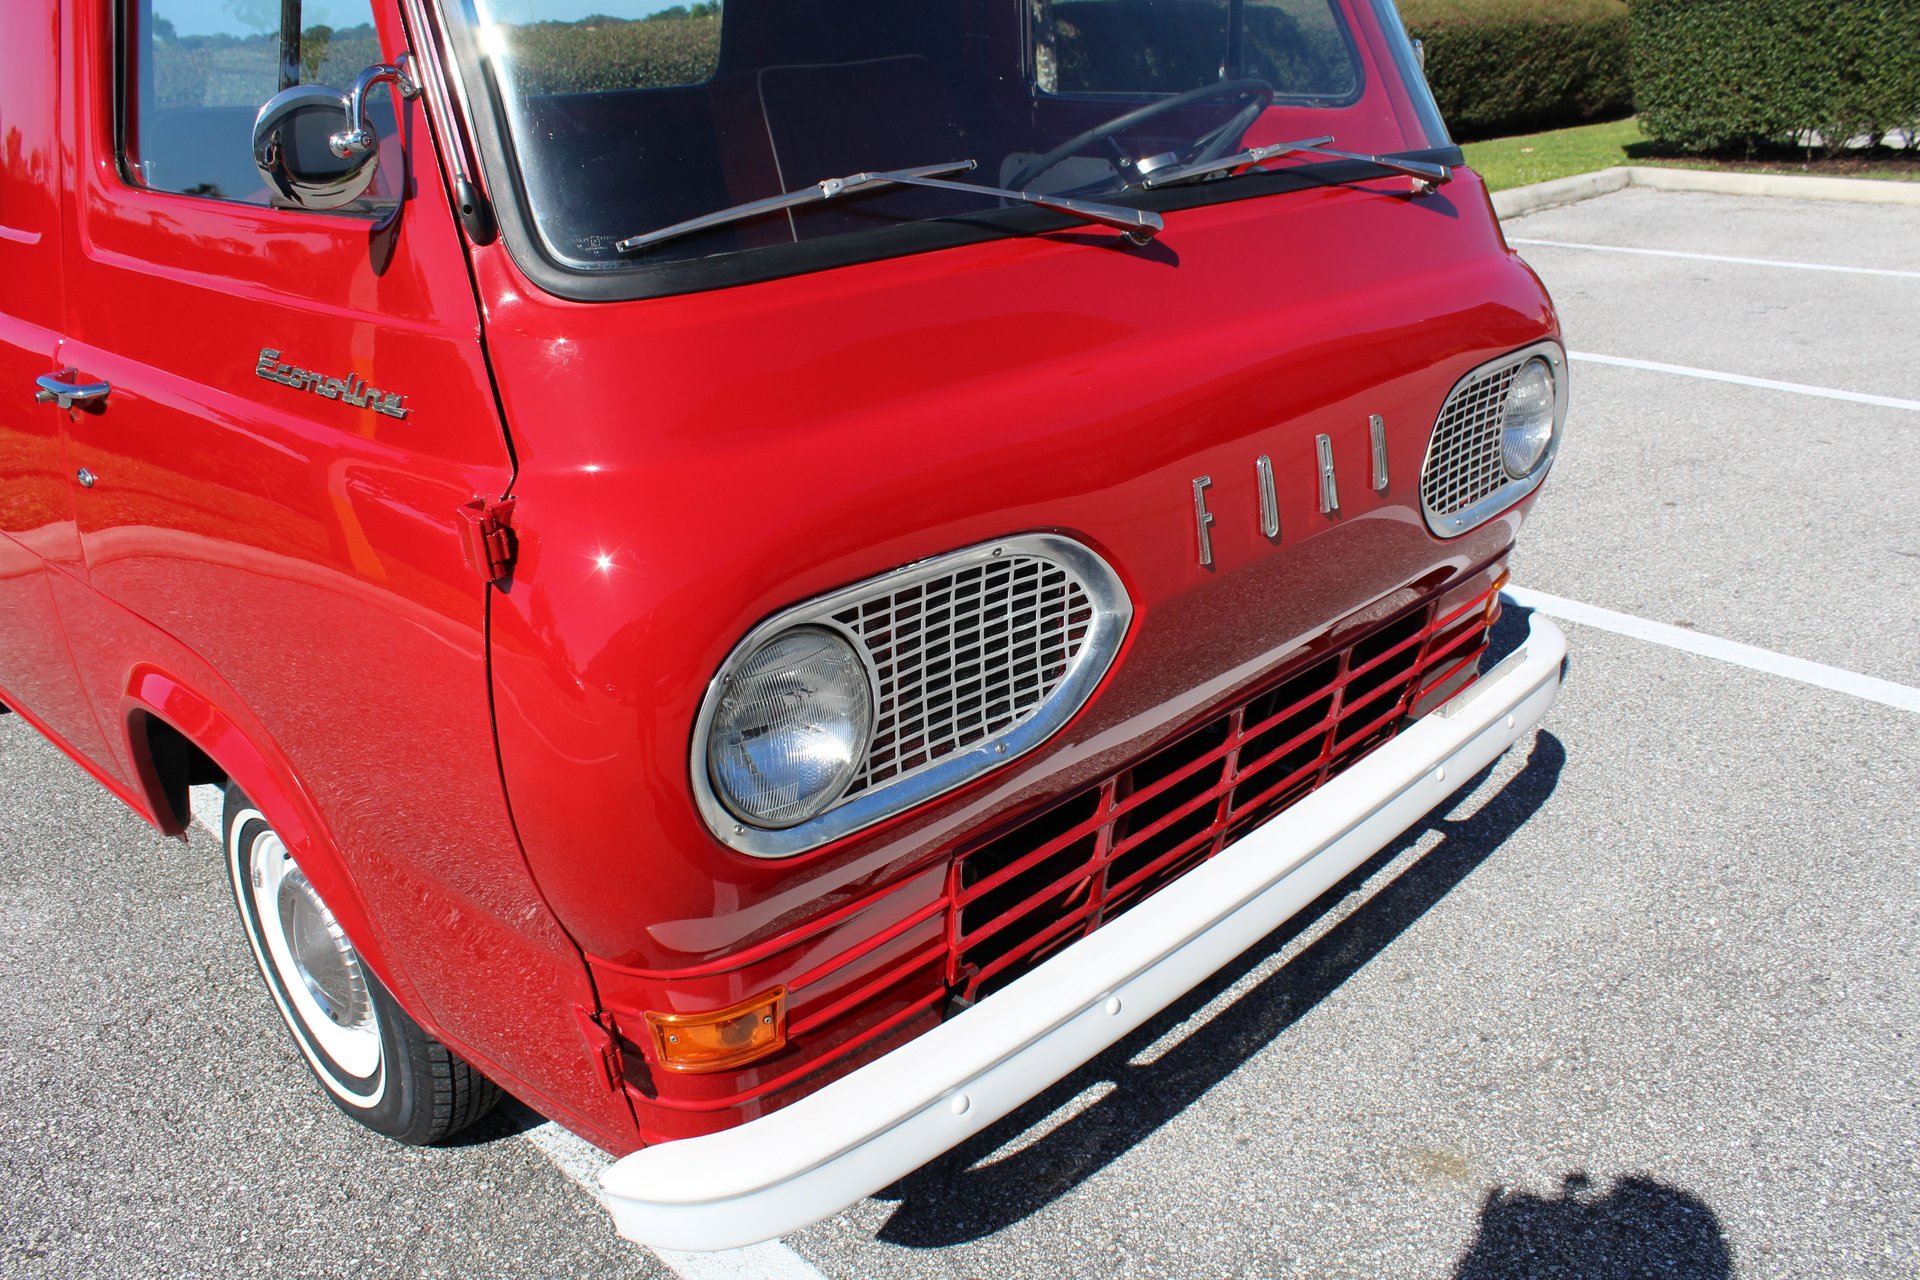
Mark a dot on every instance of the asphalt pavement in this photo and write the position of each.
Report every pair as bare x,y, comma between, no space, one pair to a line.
1641,1000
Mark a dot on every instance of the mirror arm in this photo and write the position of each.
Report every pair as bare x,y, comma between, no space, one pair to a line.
359,137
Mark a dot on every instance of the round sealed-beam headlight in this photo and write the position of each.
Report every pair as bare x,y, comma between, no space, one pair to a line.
790,728
1527,427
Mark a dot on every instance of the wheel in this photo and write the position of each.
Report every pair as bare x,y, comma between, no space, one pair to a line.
374,1060
1212,145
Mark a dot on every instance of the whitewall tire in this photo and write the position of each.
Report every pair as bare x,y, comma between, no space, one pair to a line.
373,1060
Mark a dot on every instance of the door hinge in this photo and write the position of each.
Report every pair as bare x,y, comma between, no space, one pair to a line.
604,1046
486,524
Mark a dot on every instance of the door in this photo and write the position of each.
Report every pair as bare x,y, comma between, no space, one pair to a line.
299,408
255,514
36,510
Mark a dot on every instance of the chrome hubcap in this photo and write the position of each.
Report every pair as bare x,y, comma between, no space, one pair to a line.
322,957
324,991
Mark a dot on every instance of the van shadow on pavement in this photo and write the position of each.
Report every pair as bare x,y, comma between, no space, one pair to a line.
951,1201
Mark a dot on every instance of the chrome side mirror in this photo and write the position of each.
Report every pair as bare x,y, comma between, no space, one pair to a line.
315,145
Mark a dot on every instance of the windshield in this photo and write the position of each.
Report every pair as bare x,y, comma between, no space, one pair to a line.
627,116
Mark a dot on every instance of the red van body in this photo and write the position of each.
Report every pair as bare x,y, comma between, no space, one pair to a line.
455,652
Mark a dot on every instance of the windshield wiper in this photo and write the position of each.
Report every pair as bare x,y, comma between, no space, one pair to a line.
1137,225
1431,174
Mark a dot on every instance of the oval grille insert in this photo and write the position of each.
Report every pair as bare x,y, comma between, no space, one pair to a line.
963,657
1463,463
1464,481
977,657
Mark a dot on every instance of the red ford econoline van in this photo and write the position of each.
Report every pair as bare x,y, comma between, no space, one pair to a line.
766,576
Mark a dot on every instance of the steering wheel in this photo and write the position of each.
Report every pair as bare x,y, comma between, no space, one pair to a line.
1211,146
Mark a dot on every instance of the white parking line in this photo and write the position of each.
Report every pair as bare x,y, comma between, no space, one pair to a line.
580,1162
1741,379
1885,692
769,1261
205,802
1715,257
576,1158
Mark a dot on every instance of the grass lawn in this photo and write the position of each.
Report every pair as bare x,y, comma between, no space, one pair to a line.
1538,157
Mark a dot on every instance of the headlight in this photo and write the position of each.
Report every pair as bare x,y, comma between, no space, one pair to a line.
791,728
1528,426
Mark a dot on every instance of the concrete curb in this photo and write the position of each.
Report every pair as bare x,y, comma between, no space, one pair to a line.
1519,201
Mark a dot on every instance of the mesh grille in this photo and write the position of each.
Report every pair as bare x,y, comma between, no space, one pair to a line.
964,656
1463,463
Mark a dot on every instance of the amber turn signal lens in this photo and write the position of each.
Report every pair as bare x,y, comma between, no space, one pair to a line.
1493,598
725,1038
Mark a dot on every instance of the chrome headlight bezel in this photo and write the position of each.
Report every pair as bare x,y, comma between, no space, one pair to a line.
1111,614
1447,523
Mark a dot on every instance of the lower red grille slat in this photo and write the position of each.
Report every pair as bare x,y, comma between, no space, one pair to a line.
818,1017
1029,903
1293,779
835,963
1161,863
1020,897
1291,745
1161,825
1058,844
1058,929
1454,670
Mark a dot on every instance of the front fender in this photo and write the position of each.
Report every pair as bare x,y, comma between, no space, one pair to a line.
272,785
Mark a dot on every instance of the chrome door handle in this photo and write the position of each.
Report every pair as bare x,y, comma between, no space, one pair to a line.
56,390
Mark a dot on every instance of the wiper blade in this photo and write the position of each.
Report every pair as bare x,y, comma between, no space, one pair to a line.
1434,174
1137,225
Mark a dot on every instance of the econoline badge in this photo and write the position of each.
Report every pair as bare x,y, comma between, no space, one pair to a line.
353,390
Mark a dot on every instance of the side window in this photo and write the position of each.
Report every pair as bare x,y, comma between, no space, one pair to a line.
194,73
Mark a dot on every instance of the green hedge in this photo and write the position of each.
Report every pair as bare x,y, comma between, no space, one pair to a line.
244,71
610,53
1714,74
1514,66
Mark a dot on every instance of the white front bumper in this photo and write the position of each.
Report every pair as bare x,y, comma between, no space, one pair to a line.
867,1129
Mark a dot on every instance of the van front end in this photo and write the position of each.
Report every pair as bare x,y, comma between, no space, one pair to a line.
1000,524
863,1131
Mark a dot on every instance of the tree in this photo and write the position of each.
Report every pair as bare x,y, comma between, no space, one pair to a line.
257,16
314,42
